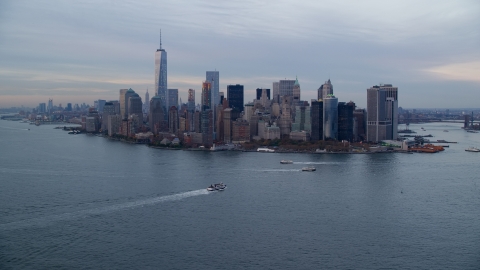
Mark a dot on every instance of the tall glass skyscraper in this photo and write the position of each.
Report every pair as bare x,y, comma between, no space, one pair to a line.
161,75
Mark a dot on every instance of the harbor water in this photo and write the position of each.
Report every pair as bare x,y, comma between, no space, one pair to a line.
87,202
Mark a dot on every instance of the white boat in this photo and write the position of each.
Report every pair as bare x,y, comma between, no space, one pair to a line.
472,149
309,169
267,150
283,161
214,187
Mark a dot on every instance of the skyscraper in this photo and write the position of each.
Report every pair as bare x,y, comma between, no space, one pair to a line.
108,109
325,89
382,113
191,100
156,118
296,91
146,103
135,107
123,104
276,92
206,95
173,98
317,120
213,77
286,87
128,94
345,121
235,97
161,75
330,117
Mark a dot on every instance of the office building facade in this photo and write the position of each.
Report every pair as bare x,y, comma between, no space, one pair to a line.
235,97
382,113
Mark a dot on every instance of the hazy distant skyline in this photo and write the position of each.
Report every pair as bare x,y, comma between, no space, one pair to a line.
83,51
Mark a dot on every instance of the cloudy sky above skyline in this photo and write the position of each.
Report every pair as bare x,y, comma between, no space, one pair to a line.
82,51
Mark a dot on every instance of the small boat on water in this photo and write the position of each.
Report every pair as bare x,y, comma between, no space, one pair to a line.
445,130
309,169
472,149
217,187
283,161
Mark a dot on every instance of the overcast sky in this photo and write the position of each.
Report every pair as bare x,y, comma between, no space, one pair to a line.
86,50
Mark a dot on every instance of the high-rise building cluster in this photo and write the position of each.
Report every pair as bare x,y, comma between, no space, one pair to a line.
225,117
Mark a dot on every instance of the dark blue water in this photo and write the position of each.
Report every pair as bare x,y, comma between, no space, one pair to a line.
79,201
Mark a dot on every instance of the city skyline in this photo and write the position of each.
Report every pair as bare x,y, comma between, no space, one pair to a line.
79,53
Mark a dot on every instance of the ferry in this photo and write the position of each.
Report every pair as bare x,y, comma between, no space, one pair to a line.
309,169
265,150
472,149
283,161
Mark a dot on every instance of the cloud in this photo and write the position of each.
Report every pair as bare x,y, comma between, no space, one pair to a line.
469,71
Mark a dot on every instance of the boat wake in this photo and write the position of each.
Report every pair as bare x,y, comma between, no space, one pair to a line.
276,170
48,220
320,163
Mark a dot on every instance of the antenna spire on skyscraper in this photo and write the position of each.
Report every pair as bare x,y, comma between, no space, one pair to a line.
160,39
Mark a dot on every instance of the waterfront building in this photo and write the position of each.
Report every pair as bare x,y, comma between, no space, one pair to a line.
92,121
382,113
161,75
272,132
345,121
325,90
240,131
156,117
300,135
108,109
207,127
330,117
235,97
134,122
135,107
113,124
191,100
317,120
302,119
360,116
227,125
